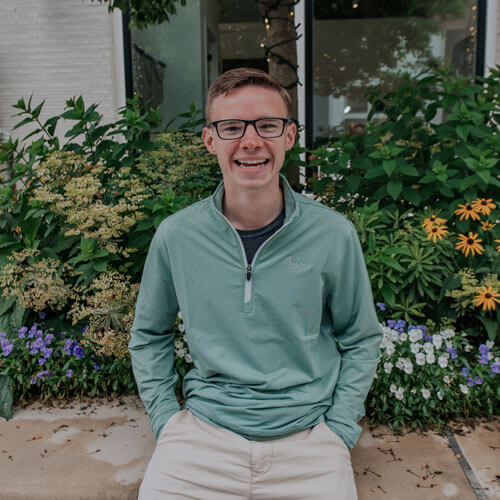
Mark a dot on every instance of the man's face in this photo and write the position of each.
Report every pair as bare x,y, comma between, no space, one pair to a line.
250,163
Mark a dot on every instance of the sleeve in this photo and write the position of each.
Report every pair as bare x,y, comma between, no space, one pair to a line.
151,339
358,335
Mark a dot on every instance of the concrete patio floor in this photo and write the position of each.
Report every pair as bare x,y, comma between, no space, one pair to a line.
99,449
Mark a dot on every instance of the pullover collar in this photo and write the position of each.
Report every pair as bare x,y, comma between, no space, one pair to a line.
289,198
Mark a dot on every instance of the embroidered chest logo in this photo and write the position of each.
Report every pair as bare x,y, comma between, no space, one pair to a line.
296,265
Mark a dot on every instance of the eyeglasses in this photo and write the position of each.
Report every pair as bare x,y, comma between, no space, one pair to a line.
267,128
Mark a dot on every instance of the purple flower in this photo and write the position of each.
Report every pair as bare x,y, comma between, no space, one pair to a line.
96,367
2,335
22,332
42,315
495,367
6,347
43,375
47,352
483,359
48,338
69,373
470,381
478,380
381,306
427,338
78,351
465,372
483,349
41,361
36,345
32,331
452,352
68,346
33,381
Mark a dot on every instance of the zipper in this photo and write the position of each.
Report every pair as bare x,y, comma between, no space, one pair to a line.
249,267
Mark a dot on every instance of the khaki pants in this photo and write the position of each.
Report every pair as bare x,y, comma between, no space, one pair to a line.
199,461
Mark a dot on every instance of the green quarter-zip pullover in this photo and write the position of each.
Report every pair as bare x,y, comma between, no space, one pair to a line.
278,344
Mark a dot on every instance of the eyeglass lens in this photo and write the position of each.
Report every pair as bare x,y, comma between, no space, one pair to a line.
266,127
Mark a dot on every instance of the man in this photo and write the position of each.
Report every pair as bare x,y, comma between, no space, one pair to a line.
279,319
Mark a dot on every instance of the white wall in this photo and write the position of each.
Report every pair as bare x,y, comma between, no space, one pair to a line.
57,49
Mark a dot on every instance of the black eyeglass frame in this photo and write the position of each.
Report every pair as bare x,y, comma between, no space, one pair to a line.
285,122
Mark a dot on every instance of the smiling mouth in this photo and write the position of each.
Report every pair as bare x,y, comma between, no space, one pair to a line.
251,163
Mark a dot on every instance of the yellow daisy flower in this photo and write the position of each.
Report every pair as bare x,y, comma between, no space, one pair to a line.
433,220
487,225
436,232
487,297
483,205
467,211
470,243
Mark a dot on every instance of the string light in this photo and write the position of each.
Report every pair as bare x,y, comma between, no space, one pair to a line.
269,53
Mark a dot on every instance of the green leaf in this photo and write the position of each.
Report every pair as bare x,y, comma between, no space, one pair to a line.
388,261
389,166
17,317
100,267
409,170
491,326
471,163
374,172
36,111
6,304
484,175
354,181
412,195
394,188
361,163
463,131
428,179
6,240
388,294
6,397
468,181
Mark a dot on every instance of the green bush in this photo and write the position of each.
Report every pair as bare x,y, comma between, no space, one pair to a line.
421,187
89,208
437,145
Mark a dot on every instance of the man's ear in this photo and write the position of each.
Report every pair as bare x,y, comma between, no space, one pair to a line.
208,139
290,133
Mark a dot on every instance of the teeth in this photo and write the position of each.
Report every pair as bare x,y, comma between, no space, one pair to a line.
250,164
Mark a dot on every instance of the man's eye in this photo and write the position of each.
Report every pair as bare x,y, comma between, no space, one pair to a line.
229,128
268,126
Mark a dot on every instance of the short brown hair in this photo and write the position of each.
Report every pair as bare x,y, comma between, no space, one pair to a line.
240,77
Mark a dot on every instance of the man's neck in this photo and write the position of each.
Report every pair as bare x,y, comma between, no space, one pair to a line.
252,210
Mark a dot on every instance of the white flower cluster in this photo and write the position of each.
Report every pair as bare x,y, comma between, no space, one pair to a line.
405,351
397,391
181,349
424,352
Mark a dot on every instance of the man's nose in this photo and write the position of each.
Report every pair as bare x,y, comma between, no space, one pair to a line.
251,138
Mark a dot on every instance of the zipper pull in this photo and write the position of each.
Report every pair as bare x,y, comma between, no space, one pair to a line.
249,272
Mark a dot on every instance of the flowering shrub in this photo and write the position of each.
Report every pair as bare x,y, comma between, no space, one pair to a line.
43,363
90,207
108,306
427,376
36,282
475,285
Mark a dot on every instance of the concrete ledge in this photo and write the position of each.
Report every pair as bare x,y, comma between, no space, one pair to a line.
99,450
